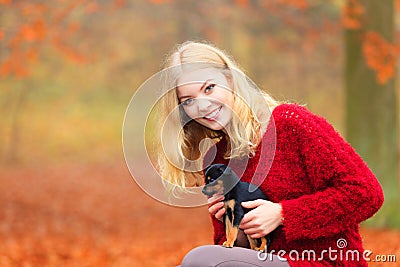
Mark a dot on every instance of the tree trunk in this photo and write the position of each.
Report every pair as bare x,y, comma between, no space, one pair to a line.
12,152
371,108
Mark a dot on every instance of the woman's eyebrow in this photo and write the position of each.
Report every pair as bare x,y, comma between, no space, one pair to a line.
201,88
205,83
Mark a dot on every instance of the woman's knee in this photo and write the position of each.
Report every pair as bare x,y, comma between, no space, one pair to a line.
212,256
198,256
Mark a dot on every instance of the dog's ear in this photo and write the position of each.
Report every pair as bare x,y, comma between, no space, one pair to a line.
220,169
211,173
206,169
230,178
227,170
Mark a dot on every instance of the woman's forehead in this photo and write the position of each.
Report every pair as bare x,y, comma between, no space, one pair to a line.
200,77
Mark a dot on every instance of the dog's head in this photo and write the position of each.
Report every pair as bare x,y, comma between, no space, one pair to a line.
219,179
213,172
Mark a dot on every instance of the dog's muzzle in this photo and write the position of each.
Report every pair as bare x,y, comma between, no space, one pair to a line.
213,188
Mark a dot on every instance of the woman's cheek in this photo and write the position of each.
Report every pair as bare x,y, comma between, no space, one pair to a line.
190,112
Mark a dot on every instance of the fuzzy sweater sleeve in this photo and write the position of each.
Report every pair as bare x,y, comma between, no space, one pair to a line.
346,191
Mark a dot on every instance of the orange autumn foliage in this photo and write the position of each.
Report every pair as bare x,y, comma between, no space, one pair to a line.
380,56
92,7
42,25
119,3
242,3
95,215
35,31
160,1
299,4
23,42
351,14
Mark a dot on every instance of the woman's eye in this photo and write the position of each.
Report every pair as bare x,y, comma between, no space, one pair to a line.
209,87
187,101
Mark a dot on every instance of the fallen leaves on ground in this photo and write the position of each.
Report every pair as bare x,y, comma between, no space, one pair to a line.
95,215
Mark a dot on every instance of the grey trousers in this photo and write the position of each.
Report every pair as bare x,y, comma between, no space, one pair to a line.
218,256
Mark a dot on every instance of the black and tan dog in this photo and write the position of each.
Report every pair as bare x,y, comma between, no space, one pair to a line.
222,180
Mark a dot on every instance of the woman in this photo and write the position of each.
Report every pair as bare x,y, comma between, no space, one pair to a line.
319,189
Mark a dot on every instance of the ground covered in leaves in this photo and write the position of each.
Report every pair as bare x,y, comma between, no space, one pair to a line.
95,215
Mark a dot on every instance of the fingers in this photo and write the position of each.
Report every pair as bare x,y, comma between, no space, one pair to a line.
216,206
248,221
220,214
261,220
257,232
258,212
254,233
213,209
214,199
253,204
255,229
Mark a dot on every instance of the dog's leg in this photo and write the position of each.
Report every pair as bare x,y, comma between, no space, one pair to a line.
231,238
228,219
263,245
228,228
252,242
231,230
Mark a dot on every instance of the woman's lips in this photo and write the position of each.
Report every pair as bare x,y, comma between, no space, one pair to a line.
212,116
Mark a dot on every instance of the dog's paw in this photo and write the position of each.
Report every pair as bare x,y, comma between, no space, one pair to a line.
227,244
261,248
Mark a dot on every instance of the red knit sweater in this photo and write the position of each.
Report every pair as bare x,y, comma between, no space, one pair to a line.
324,187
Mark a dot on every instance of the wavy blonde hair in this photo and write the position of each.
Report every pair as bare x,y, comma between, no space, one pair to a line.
183,140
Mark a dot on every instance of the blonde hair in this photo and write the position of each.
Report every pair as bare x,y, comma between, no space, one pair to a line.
183,140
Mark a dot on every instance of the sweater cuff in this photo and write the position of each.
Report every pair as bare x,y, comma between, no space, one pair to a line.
291,225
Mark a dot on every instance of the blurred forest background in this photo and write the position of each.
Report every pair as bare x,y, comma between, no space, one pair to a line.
69,68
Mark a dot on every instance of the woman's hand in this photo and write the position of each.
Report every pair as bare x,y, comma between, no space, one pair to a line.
216,206
263,219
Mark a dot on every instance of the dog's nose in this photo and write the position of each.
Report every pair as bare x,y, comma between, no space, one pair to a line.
204,191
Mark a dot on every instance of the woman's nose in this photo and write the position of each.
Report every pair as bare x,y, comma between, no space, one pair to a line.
203,104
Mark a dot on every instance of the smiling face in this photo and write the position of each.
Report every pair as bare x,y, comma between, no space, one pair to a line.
206,97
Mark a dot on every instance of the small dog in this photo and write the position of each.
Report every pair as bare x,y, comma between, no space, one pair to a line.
222,180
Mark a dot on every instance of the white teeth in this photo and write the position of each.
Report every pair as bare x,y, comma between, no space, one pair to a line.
213,114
